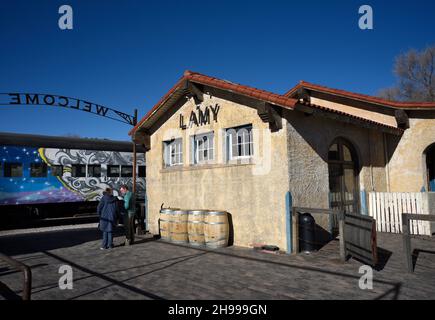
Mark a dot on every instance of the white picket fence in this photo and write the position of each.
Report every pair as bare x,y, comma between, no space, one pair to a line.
387,209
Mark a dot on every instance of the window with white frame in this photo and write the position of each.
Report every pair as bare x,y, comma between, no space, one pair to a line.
173,153
203,148
240,143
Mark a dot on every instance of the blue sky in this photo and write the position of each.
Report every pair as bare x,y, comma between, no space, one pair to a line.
127,54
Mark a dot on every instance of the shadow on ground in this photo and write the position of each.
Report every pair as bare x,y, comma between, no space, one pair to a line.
12,245
42,244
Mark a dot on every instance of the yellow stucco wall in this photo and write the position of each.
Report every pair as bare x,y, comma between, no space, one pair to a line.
407,166
292,159
254,194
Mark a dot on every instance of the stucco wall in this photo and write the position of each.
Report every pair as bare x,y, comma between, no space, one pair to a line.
309,141
293,159
407,166
254,194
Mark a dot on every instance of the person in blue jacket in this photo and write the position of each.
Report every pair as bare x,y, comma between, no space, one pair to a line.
108,211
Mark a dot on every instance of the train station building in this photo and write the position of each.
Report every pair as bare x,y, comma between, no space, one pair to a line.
216,145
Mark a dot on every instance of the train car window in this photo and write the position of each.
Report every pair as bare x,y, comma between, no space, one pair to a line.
38,170
142,172
94,170
126,171
78,170
13,170
113,171
57,171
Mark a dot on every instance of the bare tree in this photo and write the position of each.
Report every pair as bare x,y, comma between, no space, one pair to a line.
416,77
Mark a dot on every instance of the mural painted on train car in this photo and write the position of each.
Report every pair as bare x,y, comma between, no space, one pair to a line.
52,189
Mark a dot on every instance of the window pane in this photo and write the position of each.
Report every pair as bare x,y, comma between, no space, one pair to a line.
241,136
247,151
38,170
241,141
202,146
246,136
142,171
347,156
173,152
333,152
57,171
173,148
94,171
349,184
78,170
335,172
13,170
113,171
126,171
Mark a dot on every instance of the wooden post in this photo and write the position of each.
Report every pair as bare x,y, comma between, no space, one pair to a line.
134,167
342,241
139,225
135,117
407,242
134,154
288,208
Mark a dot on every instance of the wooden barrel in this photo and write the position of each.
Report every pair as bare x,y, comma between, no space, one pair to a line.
195,227
178,226
165,217
216,229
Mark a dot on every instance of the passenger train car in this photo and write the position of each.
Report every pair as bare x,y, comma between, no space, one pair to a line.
50,177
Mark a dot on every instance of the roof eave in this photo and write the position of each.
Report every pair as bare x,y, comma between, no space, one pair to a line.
388,104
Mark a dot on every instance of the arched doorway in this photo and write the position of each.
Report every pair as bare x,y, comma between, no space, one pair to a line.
343,176
430,168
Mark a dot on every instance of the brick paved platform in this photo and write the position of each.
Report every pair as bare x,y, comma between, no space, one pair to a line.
153,269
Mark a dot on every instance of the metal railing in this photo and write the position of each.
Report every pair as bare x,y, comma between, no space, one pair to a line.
27,274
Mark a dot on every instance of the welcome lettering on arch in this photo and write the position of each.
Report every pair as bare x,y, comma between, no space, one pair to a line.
36,99
200,117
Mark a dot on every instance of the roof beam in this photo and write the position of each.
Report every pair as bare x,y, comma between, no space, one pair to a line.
401,118
194,90
269,114
142,138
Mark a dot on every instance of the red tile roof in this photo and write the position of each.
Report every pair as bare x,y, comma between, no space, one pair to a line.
363,97
285,101
195,77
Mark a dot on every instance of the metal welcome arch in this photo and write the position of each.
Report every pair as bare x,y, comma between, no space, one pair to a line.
52,100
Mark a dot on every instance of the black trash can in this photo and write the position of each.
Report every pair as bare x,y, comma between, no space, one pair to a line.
307,233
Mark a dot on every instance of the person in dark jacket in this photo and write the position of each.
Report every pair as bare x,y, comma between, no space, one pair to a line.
107,210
